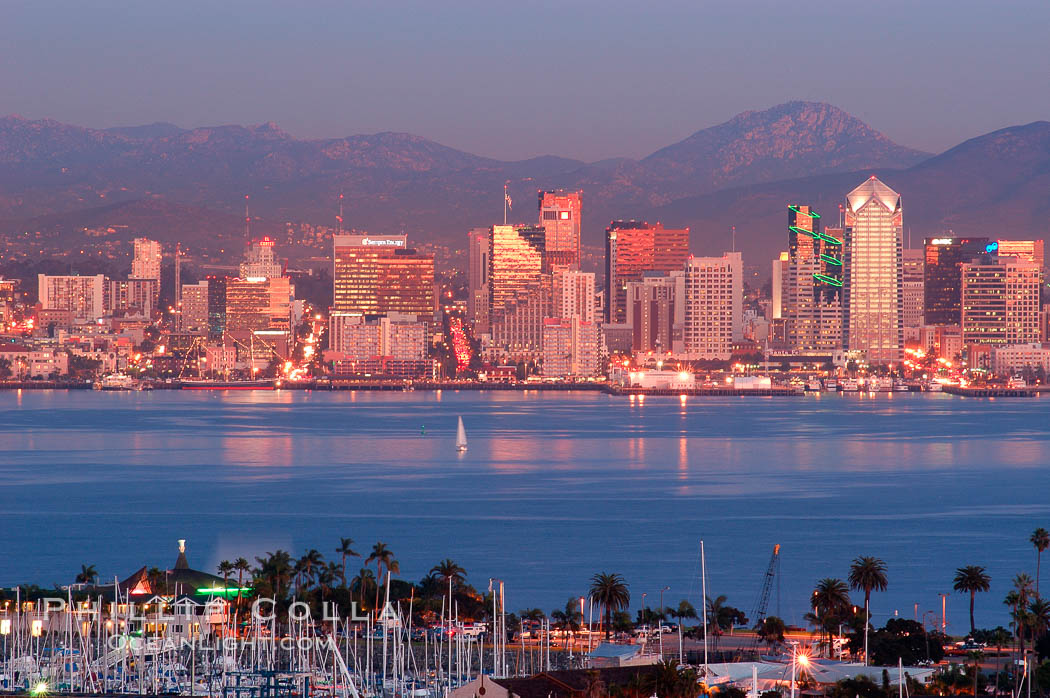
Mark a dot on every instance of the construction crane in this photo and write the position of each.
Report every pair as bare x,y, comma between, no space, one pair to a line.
758,613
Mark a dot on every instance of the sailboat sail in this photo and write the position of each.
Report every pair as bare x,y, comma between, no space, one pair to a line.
461,437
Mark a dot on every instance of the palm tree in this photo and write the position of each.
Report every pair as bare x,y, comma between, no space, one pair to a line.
1038,618
830,603
225,569
611,593
449,573
307,564
869,574
972,579
684,611
87,574
345,550
276,568
242,567
569,619
1041,540
384,558
365,578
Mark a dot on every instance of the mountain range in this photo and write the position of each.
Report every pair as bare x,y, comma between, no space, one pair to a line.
189,184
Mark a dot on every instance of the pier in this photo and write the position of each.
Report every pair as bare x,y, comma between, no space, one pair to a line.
989,391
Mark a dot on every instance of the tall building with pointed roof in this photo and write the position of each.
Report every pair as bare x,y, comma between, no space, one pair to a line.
873,321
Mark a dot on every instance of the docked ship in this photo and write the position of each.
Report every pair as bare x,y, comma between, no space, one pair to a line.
195,384
118,381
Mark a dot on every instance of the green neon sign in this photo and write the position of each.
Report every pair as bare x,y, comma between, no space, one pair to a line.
830,280
831,260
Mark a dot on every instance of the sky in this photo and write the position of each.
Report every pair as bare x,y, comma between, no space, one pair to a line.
577,78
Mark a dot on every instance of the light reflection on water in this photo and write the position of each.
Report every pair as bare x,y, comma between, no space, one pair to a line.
553,488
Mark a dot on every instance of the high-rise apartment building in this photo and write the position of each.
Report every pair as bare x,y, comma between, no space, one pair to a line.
373,275
1000,301
260,261
195,307
146,261
519,289
560,218
913,288
942,276
84,296
573,295
217,305
633,248
713,305
811,302
778,281
134,296
656,312
873,322
570,348
478,279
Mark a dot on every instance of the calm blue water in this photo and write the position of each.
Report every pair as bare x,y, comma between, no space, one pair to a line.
554,488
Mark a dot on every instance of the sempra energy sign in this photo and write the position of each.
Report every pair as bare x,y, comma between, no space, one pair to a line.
371,241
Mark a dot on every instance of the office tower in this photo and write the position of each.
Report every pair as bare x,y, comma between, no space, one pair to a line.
519,289
84,296
406,284
146,262
570,348
258,304
942,276
780,273
560,219
478,279
373,275
1030,250
713,305
633,248
195,307
656,312
1000,301
811,302
217,305
913,288
134,296
873,322
260,261
573,295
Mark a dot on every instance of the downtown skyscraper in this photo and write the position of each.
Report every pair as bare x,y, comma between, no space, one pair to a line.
811,302
559,216
633,248
873,320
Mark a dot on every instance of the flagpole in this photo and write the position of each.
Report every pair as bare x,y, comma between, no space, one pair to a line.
504,203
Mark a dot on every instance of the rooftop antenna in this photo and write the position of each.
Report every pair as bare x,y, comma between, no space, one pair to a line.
339,218
247,220
734,238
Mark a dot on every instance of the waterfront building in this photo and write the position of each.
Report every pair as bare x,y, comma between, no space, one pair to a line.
633,248
27,362
132,297
478,279
1000,301
195,307
811,300
394,344
570,348
145,264
873,323
713,306
942,276
559,216
260,261
84,296
1017,358
519,290
573,295
913,290
656,312
381,274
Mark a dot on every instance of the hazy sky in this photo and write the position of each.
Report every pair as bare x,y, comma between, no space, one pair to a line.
516,79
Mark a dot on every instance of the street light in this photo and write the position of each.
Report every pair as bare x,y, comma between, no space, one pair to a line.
662,622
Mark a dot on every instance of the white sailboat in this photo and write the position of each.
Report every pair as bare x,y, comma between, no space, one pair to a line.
461,437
